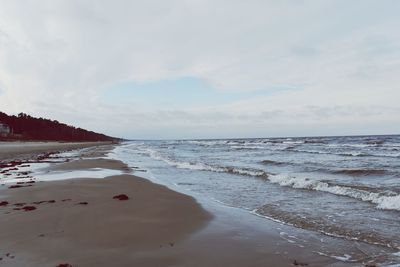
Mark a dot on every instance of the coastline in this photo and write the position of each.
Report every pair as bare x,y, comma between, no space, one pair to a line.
28,150
155,227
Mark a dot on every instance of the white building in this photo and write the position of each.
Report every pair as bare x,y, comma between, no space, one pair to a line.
4,129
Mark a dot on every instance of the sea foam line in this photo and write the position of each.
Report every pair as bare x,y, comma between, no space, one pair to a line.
205,167
386,200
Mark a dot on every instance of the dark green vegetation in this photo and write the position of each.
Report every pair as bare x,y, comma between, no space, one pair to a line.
25,127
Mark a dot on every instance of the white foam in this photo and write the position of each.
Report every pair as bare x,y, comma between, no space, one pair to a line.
293,142
387,200
344,258
199,166
205,142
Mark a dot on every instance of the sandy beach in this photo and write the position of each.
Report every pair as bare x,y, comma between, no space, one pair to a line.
86,226
28,150
125,220
82,222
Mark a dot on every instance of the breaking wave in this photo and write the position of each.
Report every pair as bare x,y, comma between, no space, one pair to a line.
206,167
387,200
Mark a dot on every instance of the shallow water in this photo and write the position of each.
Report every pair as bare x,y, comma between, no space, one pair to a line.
347,187
38,170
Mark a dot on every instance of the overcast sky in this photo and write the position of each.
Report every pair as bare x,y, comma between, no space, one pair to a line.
204,68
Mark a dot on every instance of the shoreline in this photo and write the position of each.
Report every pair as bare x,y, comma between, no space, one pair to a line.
28,150
217,237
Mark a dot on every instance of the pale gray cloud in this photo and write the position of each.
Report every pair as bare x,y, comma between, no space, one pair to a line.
57,57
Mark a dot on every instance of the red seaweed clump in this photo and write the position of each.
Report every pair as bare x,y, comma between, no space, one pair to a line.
121,197
64,265
18,186
297,263
4,203
25,165
39,202
44,156
82,203
29,208
15,186
44,201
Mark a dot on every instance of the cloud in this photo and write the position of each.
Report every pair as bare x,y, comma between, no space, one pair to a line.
57,58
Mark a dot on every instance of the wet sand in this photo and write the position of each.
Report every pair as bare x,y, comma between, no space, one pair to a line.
86,226
91,163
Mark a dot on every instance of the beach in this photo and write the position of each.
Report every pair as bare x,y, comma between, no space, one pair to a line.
28,150
126,220
79,222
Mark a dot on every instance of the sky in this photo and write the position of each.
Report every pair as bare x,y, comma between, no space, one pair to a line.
204,68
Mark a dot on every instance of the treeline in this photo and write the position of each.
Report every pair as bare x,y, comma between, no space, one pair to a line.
25,127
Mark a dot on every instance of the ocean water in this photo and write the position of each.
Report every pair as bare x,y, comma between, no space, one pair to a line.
347,187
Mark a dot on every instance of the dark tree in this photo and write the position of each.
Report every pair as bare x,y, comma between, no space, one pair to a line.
25,127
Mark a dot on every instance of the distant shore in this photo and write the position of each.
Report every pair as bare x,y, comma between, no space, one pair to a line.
26,150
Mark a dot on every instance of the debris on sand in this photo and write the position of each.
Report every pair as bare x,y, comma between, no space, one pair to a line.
121,197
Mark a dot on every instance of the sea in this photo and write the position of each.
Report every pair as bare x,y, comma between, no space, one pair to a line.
336,196
346,187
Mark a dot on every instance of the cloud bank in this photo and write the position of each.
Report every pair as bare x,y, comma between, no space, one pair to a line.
322,67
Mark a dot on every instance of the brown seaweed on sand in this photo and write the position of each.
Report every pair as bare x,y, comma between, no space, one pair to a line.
29,208
121,197
18,186
297,263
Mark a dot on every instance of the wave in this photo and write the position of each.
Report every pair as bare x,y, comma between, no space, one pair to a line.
247,147
350,154
273,162
325,226
313,141
360,172
387,200
206,142
297,142
199,166
345,154
374,142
